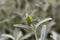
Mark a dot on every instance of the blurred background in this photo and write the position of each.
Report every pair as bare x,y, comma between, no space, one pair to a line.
14,12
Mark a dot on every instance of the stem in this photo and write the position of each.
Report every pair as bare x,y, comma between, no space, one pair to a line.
34,30
36,35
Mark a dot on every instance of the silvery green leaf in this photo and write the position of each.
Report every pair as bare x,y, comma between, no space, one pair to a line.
27,36
26,15
21,26
16,31
33,12
54,35
45,20
43,33
7,36
46,6
3,38
49,26
19,36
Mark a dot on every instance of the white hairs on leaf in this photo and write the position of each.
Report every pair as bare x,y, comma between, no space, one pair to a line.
45,20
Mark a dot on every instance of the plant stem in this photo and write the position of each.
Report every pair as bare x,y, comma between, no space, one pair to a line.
36,35
34,30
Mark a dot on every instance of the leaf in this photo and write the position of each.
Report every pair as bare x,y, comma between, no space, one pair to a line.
54,35
49,26
45,20
7,36
19,36
43,33
27,35
21,26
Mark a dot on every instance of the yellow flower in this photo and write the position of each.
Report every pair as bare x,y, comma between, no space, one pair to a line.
29,19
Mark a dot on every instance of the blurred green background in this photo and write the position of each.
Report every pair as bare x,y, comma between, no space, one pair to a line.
14,11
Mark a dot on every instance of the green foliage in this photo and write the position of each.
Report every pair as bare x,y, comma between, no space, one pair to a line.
43,14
